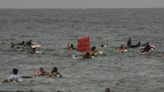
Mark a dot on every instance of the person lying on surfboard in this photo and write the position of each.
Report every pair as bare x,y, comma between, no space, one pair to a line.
40,72
54,73
104,45
122,48
129,42
87,56
146,48
70,47
20,43
93,51
15,77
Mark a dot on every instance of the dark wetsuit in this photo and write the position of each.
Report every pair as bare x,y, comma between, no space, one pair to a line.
87,56
129,43
147,48
135,46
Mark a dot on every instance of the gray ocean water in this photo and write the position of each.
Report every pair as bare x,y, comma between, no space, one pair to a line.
54,28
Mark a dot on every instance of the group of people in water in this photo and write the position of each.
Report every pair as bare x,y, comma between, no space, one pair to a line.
93,52
16,77
30,47
143,48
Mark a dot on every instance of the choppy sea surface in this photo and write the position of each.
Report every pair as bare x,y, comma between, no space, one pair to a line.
54,28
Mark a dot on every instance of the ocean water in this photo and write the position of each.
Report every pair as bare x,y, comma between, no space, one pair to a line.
54,28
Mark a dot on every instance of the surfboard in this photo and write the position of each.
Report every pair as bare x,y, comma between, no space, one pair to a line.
36,46
75,57
121,50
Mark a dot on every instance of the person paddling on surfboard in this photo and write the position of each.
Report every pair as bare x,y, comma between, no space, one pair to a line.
129,42
70,47
147,48
87,56
94,51
122,48
54,73
40,72
15,77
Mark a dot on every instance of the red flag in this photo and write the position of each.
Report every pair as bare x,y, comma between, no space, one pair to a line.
83,44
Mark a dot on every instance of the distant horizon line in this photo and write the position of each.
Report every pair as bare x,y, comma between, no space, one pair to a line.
95,8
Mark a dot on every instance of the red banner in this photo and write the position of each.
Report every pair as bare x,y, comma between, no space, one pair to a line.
83,44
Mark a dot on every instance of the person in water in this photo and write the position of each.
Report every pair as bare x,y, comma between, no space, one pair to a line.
13,44
15,77
93,51
107,90
87,55
54,73
129,42
104,46
40,72
32,50
147,47
29,43
70,47
122,48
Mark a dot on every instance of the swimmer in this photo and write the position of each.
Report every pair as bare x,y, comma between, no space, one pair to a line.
40,72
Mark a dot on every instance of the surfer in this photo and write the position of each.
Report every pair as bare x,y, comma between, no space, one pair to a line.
15,77
93,50
107,90
70,47
104,46
122,48
40,72
147,47
29,43
32,50
87,56
54,73
20,43
129,42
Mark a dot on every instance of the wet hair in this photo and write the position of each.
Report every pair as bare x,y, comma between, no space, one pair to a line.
107,90
55,69
72,45
41,68
93,48
122,45
15,71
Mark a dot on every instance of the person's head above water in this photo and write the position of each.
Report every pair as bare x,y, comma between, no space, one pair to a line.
41,69
102,45
93,48
15,71
122,45
107,90
55,69
139,43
